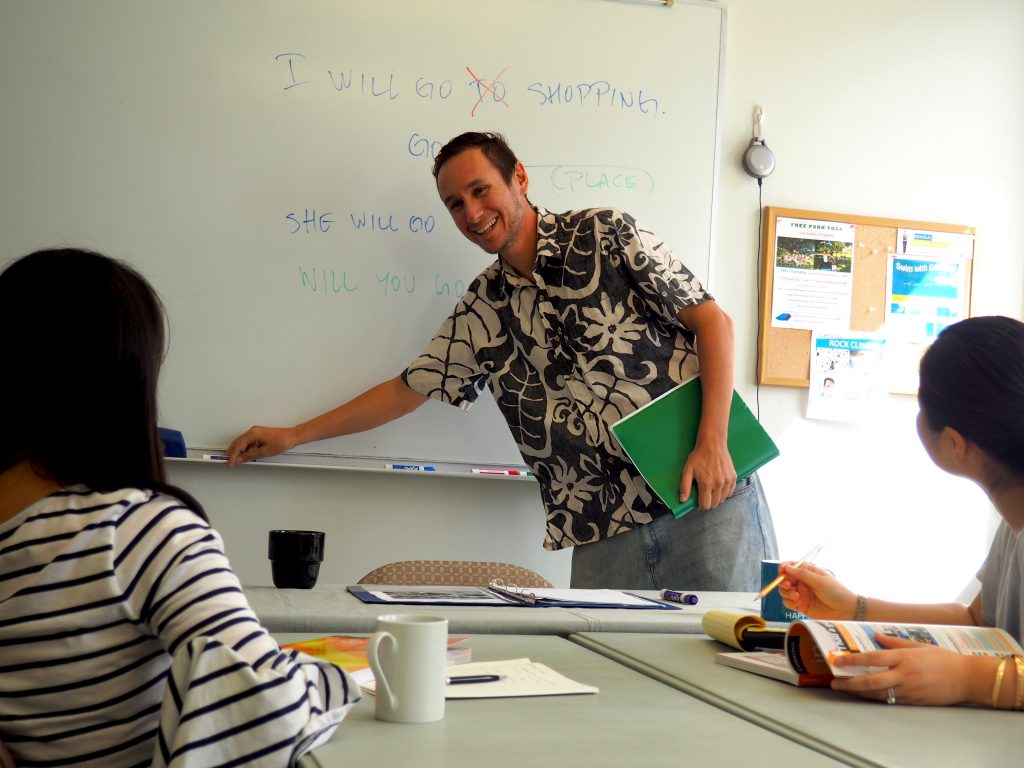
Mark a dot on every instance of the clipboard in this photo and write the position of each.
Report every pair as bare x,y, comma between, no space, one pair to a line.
498,594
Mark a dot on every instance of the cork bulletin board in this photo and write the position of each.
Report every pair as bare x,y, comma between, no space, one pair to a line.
784,353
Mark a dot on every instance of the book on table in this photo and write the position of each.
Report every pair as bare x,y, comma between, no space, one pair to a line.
660,436
811,645
772,664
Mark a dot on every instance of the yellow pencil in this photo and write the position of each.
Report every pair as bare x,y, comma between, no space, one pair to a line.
778,579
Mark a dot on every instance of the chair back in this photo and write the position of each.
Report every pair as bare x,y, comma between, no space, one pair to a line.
462,573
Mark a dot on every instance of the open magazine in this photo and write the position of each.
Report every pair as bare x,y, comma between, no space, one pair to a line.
812,644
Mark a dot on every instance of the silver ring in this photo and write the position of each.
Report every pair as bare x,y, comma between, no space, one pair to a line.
890,697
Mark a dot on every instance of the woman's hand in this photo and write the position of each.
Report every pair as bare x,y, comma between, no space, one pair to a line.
917,673
816,593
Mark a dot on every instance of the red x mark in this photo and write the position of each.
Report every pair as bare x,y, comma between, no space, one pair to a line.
483,88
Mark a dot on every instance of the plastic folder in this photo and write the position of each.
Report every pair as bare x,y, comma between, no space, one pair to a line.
658,438
505,595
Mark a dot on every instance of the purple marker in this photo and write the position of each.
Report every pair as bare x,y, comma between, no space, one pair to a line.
678,597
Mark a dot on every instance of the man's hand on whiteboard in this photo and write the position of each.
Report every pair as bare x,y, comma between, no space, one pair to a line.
378,405
711,468
260,442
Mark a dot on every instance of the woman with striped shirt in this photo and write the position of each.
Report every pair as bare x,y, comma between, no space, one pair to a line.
125,638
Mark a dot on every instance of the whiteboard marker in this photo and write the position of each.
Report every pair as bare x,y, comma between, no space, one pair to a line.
679,597
415,467
514,472
215,457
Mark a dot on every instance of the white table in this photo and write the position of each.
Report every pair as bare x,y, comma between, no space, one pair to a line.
855,731
329,608
632,721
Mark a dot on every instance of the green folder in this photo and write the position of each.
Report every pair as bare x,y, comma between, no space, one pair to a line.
658,438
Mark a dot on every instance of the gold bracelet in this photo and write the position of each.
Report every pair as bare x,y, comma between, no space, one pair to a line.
862,608
1018,700
1000,670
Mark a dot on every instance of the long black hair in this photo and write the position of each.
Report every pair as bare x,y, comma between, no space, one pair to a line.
972,379
82,340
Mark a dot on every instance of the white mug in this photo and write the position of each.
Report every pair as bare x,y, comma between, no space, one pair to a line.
408,655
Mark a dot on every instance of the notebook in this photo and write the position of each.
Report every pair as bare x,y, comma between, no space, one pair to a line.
744,632
658,438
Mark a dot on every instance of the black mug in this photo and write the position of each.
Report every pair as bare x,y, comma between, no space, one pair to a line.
295,558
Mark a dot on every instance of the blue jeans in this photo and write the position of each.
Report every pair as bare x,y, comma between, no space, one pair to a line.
718,550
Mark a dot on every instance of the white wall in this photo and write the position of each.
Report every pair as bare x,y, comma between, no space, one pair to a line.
908,109
371,518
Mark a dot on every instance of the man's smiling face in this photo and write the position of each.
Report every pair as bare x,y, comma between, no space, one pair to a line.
485,208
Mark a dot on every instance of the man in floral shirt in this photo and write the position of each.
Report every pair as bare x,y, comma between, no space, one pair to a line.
584,317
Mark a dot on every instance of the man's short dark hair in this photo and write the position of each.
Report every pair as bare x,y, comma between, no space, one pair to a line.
493,145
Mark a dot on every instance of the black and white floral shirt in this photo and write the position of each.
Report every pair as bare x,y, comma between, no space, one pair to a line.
593,340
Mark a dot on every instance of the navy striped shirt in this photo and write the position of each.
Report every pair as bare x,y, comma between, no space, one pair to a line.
125,639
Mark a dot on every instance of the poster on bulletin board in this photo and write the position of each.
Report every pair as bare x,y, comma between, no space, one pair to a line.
926,283
813,274
848,375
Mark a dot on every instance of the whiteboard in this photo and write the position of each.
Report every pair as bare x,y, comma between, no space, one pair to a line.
267,166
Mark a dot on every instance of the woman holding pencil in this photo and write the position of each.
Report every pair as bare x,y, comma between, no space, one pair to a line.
972,425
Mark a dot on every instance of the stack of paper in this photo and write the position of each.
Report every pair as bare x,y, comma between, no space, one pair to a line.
519,677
